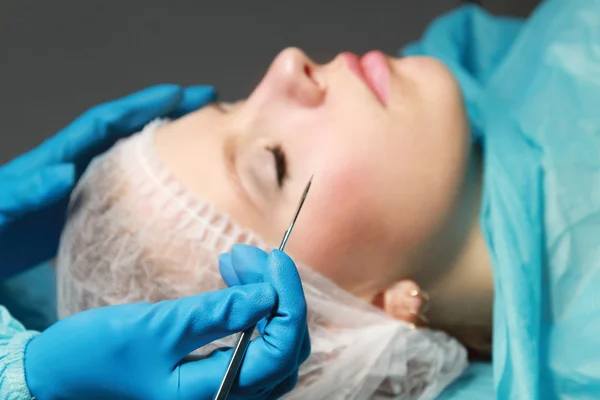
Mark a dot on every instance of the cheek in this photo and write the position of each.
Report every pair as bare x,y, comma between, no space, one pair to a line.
338,225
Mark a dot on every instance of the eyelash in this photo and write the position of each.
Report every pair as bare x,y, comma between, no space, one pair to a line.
280,163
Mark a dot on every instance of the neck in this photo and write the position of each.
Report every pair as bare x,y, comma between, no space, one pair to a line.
458,275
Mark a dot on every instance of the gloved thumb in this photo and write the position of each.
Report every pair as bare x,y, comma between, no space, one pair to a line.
192,322
26,193
244,265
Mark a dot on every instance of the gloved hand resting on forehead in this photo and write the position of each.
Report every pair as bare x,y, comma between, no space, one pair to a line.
36,186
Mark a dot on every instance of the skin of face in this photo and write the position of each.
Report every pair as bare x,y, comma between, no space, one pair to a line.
388,170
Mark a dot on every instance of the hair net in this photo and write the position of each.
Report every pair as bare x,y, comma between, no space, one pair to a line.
136,234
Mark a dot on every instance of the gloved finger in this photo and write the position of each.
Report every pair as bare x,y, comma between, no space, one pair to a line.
229,275
273,392
277,350
198,320
201,379
246,265
238,393
102,123
227,272
250,261
21,195
243,267
286,386
194,97
305,347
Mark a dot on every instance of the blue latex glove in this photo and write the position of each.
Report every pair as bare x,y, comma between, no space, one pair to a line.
135,351
35,187
289,338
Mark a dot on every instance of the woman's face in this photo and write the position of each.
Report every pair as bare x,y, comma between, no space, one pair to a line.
385,138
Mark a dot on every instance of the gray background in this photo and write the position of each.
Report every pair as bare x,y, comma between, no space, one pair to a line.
58,58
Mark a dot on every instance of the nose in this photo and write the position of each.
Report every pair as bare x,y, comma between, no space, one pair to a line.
297,77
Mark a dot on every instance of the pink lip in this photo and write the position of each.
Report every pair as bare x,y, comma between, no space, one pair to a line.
373,69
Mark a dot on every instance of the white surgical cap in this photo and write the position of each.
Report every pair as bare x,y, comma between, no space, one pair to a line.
136,234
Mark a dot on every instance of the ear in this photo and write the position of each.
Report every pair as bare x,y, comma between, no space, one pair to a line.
403,301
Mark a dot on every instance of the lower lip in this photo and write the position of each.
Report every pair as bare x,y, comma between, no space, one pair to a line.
373,69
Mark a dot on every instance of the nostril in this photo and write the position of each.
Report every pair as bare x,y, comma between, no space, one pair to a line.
308,70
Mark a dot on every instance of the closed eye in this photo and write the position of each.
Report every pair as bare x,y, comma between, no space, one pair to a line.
280,163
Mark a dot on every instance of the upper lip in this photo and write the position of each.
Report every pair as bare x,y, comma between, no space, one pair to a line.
353,62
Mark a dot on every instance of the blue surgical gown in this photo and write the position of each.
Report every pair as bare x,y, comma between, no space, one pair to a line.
532,91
